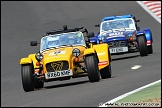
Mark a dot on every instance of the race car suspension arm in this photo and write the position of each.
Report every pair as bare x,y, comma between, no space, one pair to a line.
80,66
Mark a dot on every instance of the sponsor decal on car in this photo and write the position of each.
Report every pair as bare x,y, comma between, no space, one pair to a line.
102,63
57,52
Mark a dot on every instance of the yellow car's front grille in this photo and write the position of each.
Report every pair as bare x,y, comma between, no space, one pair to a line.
57,66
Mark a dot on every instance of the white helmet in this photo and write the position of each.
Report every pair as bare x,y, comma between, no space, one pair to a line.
131,26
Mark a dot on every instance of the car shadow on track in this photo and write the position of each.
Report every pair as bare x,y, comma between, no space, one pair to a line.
66,84
127,57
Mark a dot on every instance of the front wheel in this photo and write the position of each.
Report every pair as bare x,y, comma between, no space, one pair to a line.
106,72
142,46
27,77
92,68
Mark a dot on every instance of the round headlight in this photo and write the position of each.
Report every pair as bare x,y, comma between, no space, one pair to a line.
39,56
76,52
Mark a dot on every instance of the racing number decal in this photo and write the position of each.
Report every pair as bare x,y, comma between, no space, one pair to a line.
116,33
57,66
57,52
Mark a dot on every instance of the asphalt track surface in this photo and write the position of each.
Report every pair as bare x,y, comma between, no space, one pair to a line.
23,21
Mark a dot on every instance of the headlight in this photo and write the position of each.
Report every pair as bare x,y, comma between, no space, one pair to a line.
76,52
39,56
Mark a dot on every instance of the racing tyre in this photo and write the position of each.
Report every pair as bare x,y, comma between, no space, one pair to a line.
92,68
27,78
38,84
142,46
106,72
150,49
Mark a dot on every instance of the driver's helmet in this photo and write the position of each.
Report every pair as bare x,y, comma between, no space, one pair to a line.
53,41
131,26
79,38
130,23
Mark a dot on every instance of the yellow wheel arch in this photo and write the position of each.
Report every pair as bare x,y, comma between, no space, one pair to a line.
29,60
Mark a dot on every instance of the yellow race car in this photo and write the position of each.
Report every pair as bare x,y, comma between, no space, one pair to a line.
64,54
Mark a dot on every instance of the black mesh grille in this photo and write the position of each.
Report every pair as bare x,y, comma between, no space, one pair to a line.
117,44
57,66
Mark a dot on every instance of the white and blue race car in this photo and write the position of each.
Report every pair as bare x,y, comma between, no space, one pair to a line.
123,35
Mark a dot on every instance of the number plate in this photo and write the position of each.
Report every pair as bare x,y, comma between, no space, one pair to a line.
58,74
118,49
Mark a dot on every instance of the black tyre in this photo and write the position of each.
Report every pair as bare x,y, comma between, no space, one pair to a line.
27,78
92,68
106,72
150,49
38,84
142,46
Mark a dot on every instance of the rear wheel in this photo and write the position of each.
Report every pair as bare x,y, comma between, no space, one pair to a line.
106,72
27,77
142,46
92,68
150,49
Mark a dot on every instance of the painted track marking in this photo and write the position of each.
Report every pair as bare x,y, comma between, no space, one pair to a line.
136,66
127,94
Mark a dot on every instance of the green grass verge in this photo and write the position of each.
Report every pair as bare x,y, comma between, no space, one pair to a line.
152,92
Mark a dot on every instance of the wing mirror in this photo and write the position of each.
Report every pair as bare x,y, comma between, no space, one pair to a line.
97,25
137,20
33,43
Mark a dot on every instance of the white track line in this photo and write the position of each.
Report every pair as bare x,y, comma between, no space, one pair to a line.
129,93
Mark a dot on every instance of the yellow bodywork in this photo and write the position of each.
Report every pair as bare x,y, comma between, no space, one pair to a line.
103,55
30,59
65,53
